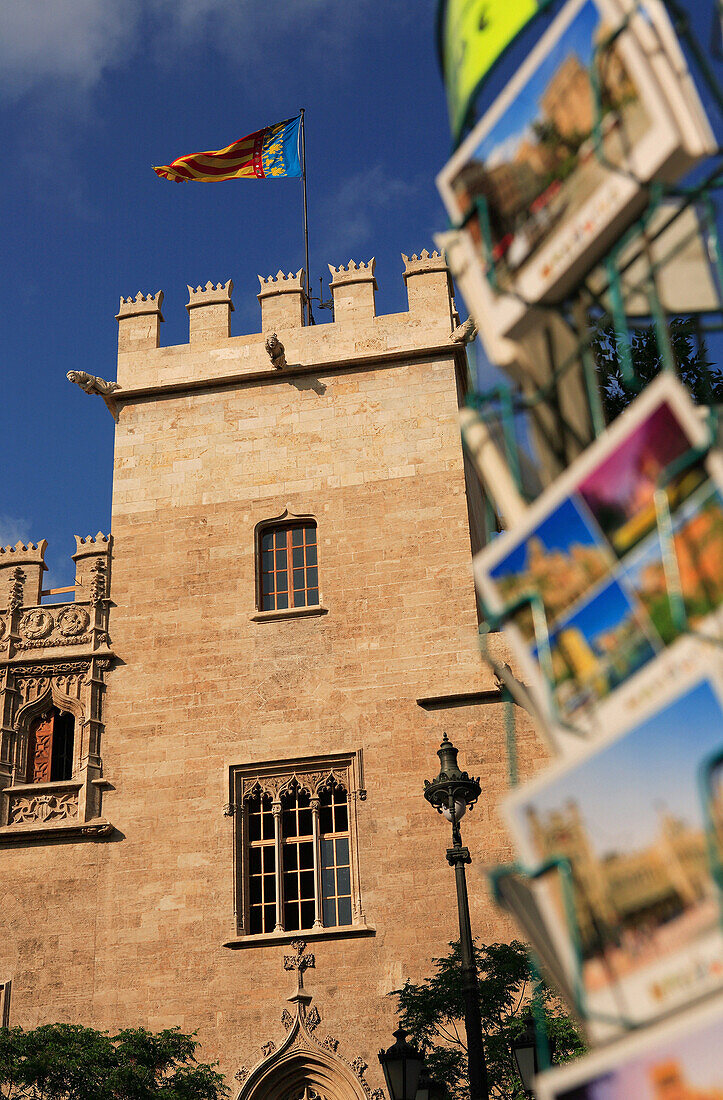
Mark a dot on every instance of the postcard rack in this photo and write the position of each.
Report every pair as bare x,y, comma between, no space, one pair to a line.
624,331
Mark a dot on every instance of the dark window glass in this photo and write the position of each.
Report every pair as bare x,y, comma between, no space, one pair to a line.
61,766
261,864
335,865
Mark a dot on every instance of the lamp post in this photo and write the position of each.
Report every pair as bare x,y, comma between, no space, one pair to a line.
451,794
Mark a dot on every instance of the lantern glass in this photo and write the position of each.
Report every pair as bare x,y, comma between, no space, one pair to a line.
402,1066
460,809
526,1059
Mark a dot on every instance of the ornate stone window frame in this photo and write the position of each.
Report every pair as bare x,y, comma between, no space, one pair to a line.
274,777
59,810
284,519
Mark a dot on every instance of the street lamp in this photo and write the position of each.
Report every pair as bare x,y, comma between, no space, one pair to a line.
452,793
402,1066
524,1051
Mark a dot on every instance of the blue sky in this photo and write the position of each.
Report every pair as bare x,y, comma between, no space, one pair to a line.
621,789
92,93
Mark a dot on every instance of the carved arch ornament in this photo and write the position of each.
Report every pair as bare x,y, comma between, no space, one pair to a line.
285,516
303,1066
310,782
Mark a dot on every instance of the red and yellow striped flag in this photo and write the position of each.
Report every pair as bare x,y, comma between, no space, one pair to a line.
273,151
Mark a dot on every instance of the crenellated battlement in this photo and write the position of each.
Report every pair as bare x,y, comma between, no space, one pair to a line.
20,551
356,328
139,321
291,281
353,268
21,571
22,567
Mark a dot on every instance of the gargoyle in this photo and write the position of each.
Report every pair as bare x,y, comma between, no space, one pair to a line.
276,351
90,383
465,333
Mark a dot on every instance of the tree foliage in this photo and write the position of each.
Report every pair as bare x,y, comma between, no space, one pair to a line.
70,1062
703,379
432,1012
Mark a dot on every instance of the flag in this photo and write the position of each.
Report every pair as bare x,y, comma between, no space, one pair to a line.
273,151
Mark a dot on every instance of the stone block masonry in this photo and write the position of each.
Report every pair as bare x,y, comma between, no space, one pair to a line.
359,431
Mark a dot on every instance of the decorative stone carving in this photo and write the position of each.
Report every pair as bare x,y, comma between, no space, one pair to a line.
17,589
287,1020
378,1094
36,672
276,351
2,628
465,333
299,962
36,623
26,809
308,1093
313,1019
72,621
268,1048
330,1042
359,1066
241,1074
97,581
91,383
312,782
51,643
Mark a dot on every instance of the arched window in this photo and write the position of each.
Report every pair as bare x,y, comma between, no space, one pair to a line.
288,573
50,747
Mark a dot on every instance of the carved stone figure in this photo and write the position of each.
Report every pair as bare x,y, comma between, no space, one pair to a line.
36,624
72,621
276,351
91,383
465,333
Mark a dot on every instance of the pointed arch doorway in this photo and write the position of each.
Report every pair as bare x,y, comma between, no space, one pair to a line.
303,1074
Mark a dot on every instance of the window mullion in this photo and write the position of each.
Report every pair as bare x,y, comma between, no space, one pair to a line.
318,909
276,811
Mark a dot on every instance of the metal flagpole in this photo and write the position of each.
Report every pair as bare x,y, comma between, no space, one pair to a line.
309,316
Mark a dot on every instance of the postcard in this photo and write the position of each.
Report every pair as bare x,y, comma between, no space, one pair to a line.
681,1059
561,158
635,817
597,581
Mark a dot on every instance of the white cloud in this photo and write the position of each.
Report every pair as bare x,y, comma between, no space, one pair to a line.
72,40
75,41
13,530
354,208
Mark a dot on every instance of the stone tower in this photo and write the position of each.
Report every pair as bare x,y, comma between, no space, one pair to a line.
258,698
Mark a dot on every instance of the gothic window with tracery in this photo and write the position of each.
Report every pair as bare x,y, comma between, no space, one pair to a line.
50,747
296,847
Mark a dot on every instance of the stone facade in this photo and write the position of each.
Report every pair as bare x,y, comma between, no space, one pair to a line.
358,431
